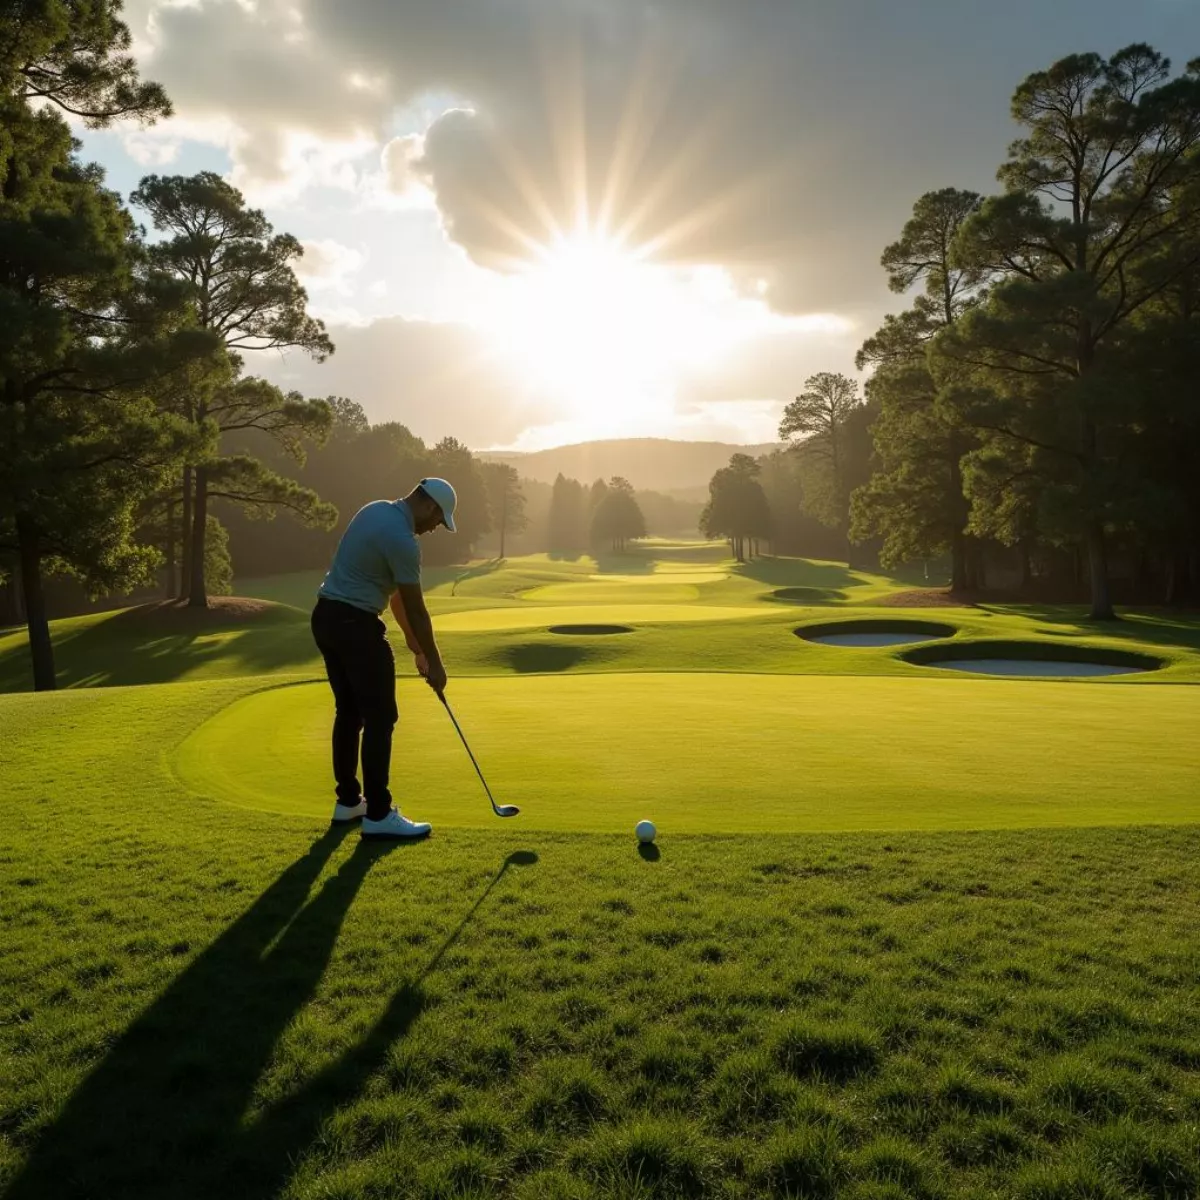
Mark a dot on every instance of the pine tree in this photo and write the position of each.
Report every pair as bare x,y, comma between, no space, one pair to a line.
240,279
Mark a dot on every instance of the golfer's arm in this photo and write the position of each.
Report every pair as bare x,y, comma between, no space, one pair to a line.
420,627
397,607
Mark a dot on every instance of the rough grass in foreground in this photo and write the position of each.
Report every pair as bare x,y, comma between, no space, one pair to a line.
197,1001
203,1002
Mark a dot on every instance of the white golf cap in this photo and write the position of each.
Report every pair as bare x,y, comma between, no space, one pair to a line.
443,495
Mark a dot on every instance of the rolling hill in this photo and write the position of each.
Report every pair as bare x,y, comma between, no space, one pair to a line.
661,464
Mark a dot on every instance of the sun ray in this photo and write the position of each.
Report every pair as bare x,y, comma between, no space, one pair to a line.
565,104
645,104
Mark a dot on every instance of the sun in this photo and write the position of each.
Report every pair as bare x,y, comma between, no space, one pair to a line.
602,331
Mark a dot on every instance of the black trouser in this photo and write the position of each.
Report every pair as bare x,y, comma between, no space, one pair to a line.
362,674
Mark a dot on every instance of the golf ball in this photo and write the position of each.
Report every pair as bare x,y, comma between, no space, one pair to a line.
645,831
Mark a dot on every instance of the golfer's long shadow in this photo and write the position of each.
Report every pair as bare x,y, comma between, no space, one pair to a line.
162,1116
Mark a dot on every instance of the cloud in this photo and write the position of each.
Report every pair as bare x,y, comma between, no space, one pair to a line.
438,379
398,159
327,263
784,140
699,130
149,149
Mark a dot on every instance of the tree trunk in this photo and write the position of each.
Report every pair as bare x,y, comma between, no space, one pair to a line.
197,596
1102,608
959,580
41,651
171,593
12,611
961,568
978,552
1026,565
185,536
503,518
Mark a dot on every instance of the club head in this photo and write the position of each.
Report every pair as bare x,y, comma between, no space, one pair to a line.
506,810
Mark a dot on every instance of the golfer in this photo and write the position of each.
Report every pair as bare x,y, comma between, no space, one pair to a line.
377,564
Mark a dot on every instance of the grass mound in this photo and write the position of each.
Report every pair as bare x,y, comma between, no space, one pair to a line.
157,643
807,595
221,611
650,1157
539,658
833,1052
926,598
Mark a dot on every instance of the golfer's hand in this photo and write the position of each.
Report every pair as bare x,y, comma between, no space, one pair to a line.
422,663
435,676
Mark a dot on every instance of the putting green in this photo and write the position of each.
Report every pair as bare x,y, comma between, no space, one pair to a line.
664,591
667,587
667,573
533,617
728,753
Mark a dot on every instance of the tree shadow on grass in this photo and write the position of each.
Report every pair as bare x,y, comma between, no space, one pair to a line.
153,644
635,561
478,571
162,1117
537,657
799,572
1156,627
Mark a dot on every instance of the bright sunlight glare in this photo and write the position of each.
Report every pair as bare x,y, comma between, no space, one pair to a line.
605,334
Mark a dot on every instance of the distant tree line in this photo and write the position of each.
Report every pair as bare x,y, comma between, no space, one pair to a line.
605,516
1038,397
358,462
797,500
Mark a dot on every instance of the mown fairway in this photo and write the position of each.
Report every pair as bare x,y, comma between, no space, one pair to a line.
905,934
735,753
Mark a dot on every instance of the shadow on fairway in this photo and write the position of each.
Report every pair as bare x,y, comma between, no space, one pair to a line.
799,572
1153,626
538,657
162,1116
157,644
478,571
632,562
649,852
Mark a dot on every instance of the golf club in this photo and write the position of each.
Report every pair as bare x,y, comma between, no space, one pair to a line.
501,810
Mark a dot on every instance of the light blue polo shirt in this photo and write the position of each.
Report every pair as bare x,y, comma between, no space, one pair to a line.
378,551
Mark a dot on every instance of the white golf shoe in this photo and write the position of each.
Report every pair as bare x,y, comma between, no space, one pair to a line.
343,814
394,826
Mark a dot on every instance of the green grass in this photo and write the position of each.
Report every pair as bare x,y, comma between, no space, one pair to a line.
197,1001
492,619
734,753
984,986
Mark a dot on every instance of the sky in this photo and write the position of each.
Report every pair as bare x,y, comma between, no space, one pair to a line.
529,223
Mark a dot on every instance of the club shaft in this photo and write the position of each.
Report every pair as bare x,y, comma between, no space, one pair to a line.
471,756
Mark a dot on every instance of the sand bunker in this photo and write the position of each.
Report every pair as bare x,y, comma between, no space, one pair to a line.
1033,667
1033,660
874,633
